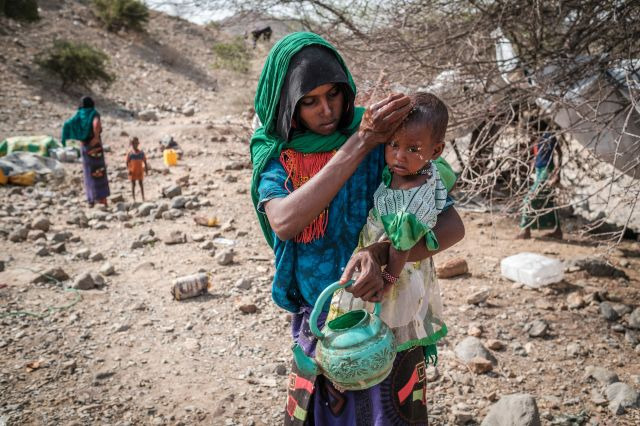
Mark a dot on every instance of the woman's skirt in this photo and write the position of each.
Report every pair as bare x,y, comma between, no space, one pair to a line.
399,400
96,182
538,211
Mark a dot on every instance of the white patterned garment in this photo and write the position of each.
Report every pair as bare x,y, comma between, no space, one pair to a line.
413,307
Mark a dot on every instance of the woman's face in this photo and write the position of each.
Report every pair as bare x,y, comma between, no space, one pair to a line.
321,109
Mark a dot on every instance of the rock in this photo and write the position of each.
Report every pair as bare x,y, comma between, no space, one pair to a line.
198,238
59,248
452,268
243,284
478,297
145,209
117,198
120,328
178,202
461,414
148,115
83,254
225,257
96,257
188,111
621,309
599,268
43,251
495,345
136,245
176,237
41,223
634,319
472,347
575,301
513,410
35,235
60,237
172,191
621,396
55,275
207,245
574,350
632,337
607,311
98,279
107,269
19,235
1,265
248,308
84,282
480,365
537,328
602,375
474,330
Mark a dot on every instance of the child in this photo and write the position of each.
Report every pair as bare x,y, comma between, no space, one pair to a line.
137,166
405,209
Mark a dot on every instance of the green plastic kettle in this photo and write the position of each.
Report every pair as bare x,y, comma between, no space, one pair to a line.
355,351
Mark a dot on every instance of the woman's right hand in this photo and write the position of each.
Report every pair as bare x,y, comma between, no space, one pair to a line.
382,119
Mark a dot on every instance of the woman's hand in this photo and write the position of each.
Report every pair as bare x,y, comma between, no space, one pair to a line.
382,119
368,261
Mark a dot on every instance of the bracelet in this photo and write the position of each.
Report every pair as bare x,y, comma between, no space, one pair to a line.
388,277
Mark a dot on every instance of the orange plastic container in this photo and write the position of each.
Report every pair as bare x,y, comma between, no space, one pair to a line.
170,157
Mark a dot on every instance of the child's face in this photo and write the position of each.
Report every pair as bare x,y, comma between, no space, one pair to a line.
135,144
410,149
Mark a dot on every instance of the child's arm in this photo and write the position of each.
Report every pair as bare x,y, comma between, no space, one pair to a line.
397,260
146,166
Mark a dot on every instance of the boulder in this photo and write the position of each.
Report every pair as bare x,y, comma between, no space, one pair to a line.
471,347
513,410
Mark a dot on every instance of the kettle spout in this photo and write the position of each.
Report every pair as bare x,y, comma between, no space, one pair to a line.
306,364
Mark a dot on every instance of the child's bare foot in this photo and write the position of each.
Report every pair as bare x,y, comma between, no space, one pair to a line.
556,234
525,234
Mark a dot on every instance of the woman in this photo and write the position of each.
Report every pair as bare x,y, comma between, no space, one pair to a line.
317,161
85,126
538,209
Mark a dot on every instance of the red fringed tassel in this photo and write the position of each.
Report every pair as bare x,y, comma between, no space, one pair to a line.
300,168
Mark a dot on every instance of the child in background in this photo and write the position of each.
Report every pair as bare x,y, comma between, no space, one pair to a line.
405,210
137,166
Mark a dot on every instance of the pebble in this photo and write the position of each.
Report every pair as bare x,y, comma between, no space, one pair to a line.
513,410
472,347
574,350
480,365
243,284
495,345
43,251
107,269
83,254
634,319
84,281
225,257
537,328
96,257
621,397
607,311
41,223
601,374
575,301
478,297
178,202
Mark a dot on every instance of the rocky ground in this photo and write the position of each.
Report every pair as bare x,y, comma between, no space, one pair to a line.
90,334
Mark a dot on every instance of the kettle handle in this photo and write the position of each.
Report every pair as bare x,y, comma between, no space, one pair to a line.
317,308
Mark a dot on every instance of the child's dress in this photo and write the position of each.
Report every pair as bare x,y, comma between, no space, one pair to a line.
412,308
135,164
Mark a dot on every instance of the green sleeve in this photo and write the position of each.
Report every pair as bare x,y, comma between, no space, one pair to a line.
405,231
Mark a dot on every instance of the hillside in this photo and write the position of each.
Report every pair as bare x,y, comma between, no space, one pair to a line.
124,352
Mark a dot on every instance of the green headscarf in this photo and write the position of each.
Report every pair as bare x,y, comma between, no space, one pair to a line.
265,142
80,126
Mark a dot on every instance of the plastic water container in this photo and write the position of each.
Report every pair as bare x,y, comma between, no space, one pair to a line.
531,269
170,157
